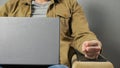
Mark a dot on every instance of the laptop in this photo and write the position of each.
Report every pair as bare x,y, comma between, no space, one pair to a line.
29,41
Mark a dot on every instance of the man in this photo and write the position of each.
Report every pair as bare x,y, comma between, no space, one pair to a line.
73,24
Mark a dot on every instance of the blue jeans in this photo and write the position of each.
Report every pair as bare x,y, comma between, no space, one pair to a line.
58,66
54,66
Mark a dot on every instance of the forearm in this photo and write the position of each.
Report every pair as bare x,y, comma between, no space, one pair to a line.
80,27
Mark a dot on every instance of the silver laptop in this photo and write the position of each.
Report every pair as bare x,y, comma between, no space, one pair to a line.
25,40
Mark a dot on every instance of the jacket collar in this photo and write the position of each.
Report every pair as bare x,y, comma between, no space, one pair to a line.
28,2
55,1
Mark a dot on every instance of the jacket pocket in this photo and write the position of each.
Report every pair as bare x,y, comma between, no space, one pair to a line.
64,18
65,24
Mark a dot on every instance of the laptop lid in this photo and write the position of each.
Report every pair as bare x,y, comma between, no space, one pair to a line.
25,40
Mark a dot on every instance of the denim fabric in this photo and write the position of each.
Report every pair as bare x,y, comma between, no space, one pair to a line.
58,66
54,66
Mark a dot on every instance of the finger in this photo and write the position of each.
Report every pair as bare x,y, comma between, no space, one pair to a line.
93,49
92,55
92,43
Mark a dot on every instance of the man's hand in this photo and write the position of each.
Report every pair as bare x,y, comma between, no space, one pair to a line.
91,49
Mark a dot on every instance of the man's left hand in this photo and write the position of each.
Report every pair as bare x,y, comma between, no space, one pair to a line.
91,49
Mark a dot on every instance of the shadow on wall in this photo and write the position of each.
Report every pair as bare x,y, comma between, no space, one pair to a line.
101,25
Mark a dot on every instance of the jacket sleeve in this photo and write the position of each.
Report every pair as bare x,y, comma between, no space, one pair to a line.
80,27
7,8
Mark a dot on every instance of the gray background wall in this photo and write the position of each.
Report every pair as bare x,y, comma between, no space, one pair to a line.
104,19
2,2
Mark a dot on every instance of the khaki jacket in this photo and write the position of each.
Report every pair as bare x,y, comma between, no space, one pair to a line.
73,24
